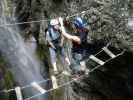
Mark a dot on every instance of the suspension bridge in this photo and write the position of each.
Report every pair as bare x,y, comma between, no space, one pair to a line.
36,85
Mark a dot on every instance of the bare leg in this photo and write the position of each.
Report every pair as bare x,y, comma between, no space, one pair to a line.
53,59
66,59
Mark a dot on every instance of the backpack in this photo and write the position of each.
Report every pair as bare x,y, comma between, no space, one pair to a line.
55,40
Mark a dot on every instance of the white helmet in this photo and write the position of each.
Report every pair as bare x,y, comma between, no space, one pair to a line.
54,22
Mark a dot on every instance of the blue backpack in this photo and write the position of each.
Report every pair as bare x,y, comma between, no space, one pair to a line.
55,36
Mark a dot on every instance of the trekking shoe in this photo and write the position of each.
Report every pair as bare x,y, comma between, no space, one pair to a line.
56,72
71,66
87,71
66,73
74,76
81,72
67,61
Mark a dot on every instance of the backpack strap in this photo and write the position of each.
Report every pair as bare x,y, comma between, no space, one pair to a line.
49,30
50,33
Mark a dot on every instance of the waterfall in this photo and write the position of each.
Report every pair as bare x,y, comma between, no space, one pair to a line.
130,24
22,64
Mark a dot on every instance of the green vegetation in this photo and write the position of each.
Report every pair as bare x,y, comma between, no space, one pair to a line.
6,80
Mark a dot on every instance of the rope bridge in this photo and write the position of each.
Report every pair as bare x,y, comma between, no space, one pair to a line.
54,79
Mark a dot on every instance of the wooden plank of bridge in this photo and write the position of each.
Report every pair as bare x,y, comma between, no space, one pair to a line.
54,82
106,50
38,87
18,93
92,57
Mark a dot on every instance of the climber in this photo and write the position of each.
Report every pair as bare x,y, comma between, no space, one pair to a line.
55,43
79,41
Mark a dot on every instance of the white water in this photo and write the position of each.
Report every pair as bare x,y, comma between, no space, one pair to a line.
23,65
130,24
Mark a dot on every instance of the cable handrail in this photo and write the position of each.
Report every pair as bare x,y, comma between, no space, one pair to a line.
42,20
28,85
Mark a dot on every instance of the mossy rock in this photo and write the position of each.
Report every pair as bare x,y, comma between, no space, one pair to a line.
6,80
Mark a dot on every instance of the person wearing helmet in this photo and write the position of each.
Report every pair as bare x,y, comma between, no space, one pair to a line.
79,41
55,43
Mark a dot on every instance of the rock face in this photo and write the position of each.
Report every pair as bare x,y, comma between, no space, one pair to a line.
109,21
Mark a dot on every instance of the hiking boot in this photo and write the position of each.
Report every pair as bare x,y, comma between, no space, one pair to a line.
67,73
76,77
87,71
56,72
81,72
